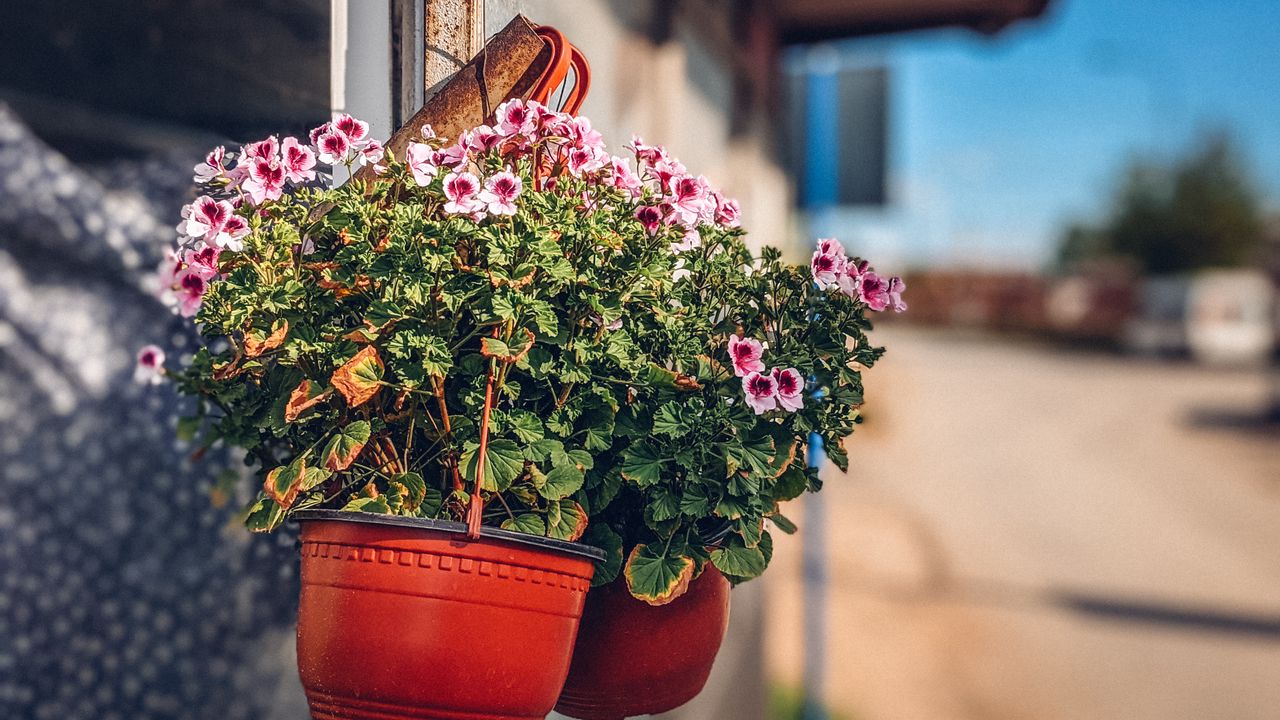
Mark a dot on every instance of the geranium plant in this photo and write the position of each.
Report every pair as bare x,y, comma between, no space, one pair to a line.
586,338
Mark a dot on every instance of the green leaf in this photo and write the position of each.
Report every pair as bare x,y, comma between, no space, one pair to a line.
664,505
503,464
561,482
783,523
656,578
642,465
791,484
736,560
694,501
343,448
367,504
526,523
834,448
566,520
525,425
754,453
604,537
264,515
669,421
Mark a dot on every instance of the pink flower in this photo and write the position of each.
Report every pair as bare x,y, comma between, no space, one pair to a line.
790,388
372,153
205,217
623,177
745,354
319,130
692,239
896,286
645,153
356,131
454,156
500,193
212,166
874,291
265,180
650,217
461,188
761,391
262,150
420,159
483,139
298,161
830,246
689,196
515,118
189,291
727,212
584,160
235,229
203,261
428,132
827,268
149,369
334,147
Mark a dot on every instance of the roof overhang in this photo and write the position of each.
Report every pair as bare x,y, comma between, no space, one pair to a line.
816,20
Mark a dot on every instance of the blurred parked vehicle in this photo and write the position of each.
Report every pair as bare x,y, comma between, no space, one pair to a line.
1231,318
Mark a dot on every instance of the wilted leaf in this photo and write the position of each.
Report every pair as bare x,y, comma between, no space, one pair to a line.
359,378
566,520
656,578
282,484
368,504
304,397
257,342
343,448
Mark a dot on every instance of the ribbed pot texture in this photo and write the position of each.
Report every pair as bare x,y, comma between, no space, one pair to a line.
402,618
632,658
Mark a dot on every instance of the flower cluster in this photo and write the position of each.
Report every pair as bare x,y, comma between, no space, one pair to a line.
831,268
518,293
765,390
232,181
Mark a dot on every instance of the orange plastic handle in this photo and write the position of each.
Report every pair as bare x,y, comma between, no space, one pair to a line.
563,57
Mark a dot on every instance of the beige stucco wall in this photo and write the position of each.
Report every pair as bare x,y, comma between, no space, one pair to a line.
679,94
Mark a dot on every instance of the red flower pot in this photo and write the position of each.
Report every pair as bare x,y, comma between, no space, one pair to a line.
633,658
406,618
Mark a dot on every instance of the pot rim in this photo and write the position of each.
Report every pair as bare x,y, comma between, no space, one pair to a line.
448,526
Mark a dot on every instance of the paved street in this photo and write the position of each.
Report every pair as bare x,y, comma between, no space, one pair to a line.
1031,533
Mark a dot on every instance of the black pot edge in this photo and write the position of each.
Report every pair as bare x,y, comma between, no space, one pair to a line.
544,543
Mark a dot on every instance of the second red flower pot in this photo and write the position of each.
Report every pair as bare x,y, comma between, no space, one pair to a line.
403,618
632,658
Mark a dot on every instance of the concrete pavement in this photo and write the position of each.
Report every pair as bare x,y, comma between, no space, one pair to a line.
1032,533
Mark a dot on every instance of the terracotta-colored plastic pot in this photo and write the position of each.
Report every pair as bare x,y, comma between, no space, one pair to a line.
405,618
632,658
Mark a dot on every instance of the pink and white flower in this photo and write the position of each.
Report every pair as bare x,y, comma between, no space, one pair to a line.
232,232
420,158
205,217
265,180
454,156
213,165
896,286
189,292
586,159
761,392
483,139
827,268
500,193
689,196
516,118
746,354
266,149
650,217
692,239
372,154
873,290
790,388
298,161
623,177
356,131
203,261
334,147
461,189
727,211
149,369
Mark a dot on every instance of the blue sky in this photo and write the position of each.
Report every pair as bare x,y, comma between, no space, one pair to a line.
997,142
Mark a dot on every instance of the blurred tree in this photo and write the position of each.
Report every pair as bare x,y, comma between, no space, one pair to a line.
1200,211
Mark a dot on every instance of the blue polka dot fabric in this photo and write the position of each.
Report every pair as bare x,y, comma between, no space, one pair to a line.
125,593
